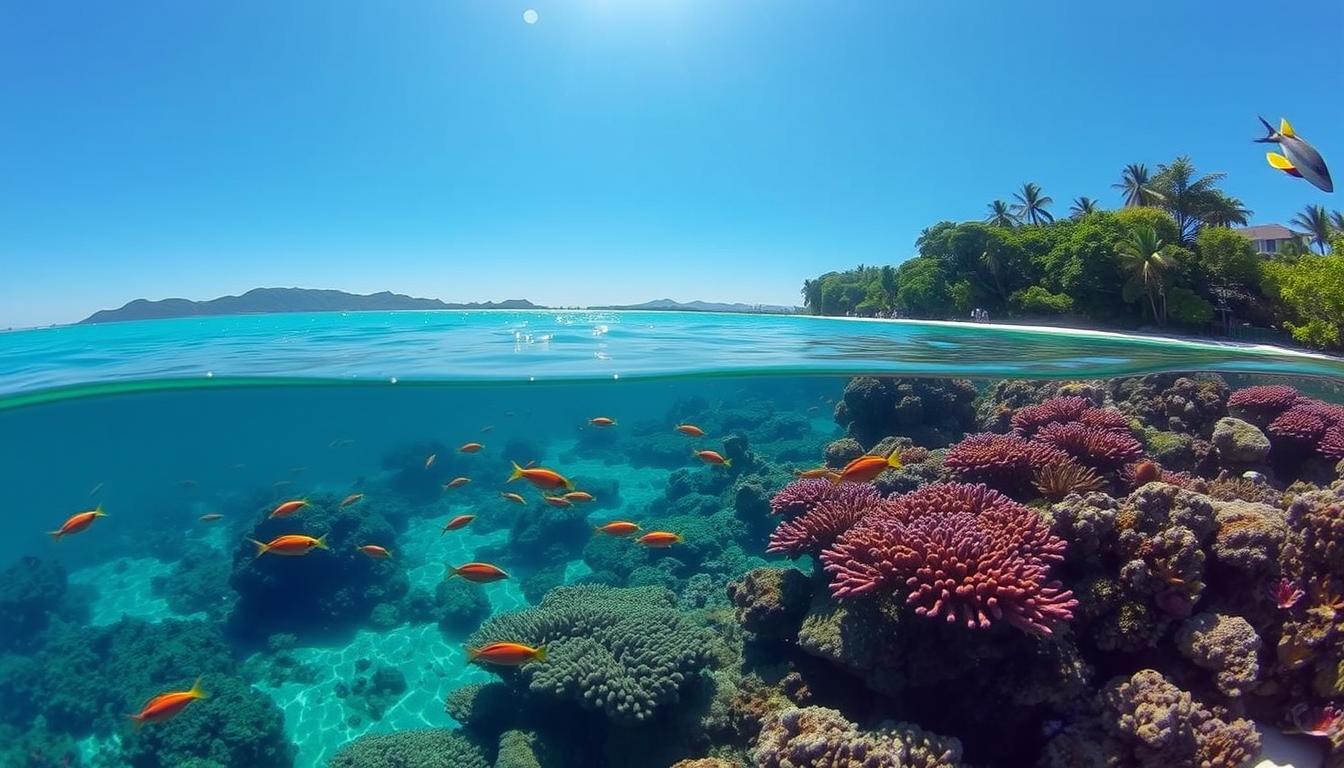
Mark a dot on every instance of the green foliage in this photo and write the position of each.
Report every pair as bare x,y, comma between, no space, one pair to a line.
1312,292
862,290
923,290
1186,307
1038,300
1228,257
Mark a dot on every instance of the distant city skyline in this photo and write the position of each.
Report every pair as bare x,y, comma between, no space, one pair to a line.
601,152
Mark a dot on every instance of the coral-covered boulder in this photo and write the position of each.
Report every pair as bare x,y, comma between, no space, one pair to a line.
1239,442
932,412
771,602
1228,646
816,736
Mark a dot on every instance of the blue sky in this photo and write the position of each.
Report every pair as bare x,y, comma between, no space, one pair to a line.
615,151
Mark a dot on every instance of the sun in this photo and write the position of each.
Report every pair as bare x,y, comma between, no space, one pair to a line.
530,16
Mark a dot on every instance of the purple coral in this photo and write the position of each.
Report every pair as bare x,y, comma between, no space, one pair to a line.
817,528
1093,446
1031,418
800,496
1004,462
1262,403
1302,424
1286,594
963,552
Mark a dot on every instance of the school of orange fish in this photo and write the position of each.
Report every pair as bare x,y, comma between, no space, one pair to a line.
556,490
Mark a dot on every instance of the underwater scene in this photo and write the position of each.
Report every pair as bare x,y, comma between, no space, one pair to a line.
574,540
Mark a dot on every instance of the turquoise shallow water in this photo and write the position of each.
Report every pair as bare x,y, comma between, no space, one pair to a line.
163,422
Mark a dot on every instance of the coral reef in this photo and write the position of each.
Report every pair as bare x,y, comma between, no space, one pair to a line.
932,412
30,592
1007,463
1225,645
771,602
1239,442
816,736
430,748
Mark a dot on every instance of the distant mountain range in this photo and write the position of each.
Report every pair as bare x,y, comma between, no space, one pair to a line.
280,300
275,300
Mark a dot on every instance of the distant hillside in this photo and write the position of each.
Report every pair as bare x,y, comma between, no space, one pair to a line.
274,300
702,306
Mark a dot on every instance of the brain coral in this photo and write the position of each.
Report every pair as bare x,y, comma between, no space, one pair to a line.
811,737
1162,726
962,552
626,652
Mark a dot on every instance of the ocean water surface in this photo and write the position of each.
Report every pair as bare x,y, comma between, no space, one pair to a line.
1185,506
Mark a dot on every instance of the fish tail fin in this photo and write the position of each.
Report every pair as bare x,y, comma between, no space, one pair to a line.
472,653
680,539
196,690
262,546
1271,135
451,571
517,472
98,511
894,459
322,541
137,720
56,535
727,462
540,654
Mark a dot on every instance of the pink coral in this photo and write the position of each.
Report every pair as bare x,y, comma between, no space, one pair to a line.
962,552
1108,419
1006,462
1057,409
818,527
1306,422
1265,400
1286,593
1331,445
1092,446
801,496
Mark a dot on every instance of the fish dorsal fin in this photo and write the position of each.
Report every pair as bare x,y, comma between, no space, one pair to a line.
1279,161
1285,128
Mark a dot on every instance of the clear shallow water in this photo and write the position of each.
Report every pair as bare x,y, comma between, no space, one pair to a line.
554,345
324,649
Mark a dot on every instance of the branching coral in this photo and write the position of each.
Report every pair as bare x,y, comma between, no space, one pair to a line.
1261,404
801,496
815,736
626,652
1057,410
1003,462
1055,481
964,553
1096,447
816,529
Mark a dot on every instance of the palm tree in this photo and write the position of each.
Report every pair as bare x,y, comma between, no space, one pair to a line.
1031,205
1316,223
1184,196
1081,207
1141,256
1000,215
1135,184
1337,221
1224,210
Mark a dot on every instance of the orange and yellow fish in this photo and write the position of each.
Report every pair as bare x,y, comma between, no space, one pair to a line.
558,501
660,539
456,482
471,448
516,498
290,545
77,523
617,528
690,430
546,479
480,573
807,474
506,654
289,508
211,517
866,468
375,551
712,457
429,460
168,705
580,496
602,421
353,498
457,522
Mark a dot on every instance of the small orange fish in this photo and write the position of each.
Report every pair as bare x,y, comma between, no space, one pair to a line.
76,523
211,517
506,654
541,477
807,474
456,482
471,448
660,539
290,545
690,430
602,421
712,457
480,573
866,468
429,461
617,528
167,705
516,498
558,501
289,508
373,550
457,522
353,498
580,496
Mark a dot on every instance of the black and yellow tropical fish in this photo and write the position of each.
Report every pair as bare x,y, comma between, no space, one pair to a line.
1299,158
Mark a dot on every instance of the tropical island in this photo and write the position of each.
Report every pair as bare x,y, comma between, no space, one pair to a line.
1169,258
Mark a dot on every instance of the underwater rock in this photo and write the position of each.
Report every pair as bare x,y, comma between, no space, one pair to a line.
1086,522
340,586
197,584
1172,402
1317,542
817,736
932,412
1158,725
1249,536
374,693
841,452
429,748
547,535
482,707
1239,442
30,592
625,652
771,602
1225,645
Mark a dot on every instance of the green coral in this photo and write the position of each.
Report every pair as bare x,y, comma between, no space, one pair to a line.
429,748
236,725
626,652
